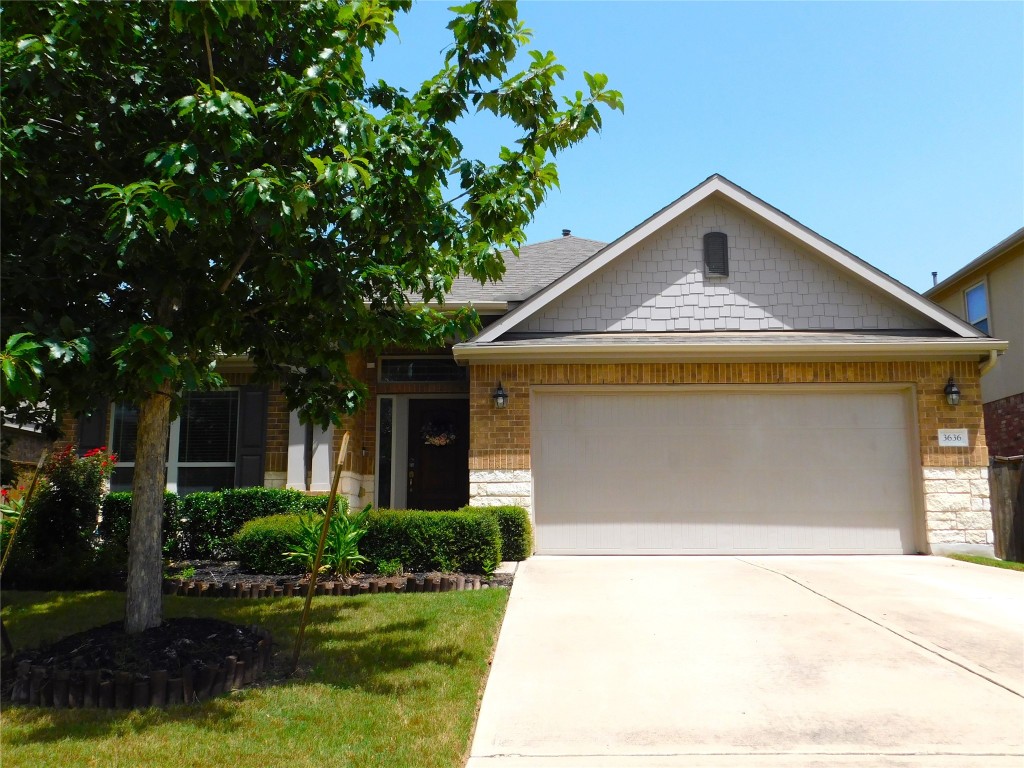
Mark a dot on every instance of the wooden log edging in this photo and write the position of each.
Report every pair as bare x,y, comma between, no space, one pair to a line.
250,590
51,686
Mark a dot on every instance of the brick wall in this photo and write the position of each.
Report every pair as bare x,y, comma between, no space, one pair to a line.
953,481
501,438
277,432
1004,425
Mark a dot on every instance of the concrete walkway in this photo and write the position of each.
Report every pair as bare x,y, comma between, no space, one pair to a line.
756,661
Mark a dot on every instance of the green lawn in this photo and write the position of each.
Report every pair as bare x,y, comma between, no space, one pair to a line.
386,680
978,559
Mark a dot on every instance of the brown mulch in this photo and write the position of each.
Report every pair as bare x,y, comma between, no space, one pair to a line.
173,645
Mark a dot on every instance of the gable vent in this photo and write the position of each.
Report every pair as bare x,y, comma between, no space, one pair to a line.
716,254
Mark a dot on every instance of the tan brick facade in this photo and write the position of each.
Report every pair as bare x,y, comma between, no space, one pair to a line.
953,482
501,438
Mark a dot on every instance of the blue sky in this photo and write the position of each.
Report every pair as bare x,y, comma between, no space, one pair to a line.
894,129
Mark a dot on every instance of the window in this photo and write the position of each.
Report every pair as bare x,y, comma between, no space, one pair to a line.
976,299
207,433
202,443
421,370
716,254
386,431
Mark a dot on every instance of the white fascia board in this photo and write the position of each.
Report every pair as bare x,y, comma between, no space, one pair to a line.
596,352
717,184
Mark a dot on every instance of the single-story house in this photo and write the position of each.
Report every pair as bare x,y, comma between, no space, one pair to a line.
719,379
988,293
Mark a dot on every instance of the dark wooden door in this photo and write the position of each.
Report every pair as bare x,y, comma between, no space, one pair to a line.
438,473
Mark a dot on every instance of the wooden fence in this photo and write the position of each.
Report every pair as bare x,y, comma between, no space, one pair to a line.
1007,489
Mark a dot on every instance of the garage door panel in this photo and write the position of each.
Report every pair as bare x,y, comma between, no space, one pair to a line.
722,472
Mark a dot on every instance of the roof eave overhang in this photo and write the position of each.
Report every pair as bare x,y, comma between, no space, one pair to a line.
953,349
978,265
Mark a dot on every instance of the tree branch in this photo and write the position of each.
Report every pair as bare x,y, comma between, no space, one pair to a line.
238,265
209,56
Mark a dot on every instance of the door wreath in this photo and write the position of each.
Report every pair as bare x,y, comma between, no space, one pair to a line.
437,434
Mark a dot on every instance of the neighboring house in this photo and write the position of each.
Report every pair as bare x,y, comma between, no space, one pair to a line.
989,294
720,379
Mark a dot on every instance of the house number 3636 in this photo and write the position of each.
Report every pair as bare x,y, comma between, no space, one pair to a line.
955,438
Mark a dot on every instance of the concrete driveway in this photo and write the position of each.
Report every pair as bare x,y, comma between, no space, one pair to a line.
756,661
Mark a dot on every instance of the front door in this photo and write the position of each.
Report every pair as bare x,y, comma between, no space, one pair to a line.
438,464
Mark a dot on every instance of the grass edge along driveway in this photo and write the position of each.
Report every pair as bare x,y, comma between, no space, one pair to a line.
385,680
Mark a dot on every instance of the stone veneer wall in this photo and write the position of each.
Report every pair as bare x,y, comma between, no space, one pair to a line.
954,480
957,508
501,488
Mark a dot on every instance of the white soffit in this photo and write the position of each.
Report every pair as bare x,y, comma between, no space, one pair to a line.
716,184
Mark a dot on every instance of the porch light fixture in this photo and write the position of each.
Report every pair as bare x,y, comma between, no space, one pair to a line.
952,393
500,397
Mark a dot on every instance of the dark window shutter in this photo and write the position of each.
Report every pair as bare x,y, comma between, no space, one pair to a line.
92,430
716,254
252,437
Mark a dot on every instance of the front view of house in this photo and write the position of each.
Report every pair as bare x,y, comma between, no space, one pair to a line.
720,379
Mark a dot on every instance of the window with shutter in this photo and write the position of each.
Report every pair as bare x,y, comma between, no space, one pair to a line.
716,254
202,444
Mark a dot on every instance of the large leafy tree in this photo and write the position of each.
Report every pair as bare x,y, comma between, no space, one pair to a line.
190,180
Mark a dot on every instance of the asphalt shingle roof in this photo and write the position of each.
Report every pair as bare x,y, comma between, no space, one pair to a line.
538,265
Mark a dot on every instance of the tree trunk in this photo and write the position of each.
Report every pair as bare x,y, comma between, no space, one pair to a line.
144,599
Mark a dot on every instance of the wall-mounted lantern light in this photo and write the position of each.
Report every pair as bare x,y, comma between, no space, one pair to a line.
500,397
952,393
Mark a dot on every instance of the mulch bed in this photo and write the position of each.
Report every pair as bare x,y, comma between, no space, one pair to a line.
181,661
230,572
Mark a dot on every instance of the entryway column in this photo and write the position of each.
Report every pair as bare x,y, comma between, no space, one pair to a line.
322,464
296,474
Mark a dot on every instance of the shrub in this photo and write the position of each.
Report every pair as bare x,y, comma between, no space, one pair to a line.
199,533
261,544
516,530
208,520
239,505
116,525
467,540
54,547
388,567
313,505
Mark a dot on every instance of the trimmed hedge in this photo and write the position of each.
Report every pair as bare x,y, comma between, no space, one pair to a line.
117,518
262,542
200,525
467,541
208,520
516,530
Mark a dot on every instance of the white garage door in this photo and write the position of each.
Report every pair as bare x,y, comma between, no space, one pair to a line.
817,470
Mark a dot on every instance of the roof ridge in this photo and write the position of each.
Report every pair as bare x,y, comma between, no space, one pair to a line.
560,239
